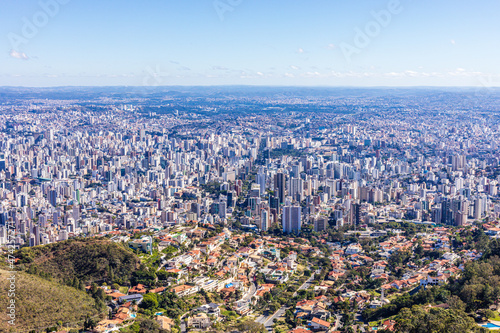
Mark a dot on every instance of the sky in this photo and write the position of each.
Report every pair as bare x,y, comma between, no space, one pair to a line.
250,42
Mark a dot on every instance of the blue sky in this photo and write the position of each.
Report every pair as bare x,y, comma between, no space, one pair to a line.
254,42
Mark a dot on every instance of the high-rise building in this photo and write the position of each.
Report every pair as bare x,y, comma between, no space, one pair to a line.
230,196
53,197
296,188
280,186
437,214
264,220
76,212
292,219
261,180
36,235
478,208
222,209
458,162
356,213
320,223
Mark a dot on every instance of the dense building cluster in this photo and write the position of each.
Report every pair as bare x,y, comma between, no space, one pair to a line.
229,190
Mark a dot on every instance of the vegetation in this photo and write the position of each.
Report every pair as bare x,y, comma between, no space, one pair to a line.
250,326
435,320
143,325
41,303
213,189
168,303
86,259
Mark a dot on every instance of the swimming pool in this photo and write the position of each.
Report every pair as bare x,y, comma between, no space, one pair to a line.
490,325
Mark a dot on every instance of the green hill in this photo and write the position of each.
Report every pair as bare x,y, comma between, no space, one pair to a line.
88,260
40,303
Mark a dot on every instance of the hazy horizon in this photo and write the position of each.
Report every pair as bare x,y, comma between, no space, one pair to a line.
393,43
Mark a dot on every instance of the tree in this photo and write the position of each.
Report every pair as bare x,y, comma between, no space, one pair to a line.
89,323
455,303
436,320
149,301
251,326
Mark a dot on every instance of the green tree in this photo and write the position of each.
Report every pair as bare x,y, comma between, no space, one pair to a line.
435,320
149,301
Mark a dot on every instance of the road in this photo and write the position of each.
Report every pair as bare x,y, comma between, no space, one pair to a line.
183,323
337,321
251,292
305,285
268,321
161,265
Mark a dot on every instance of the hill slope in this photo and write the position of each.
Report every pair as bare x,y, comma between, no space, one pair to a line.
40,303
87,259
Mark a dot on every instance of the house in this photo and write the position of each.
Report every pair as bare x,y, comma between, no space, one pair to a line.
398,284
353,249
210,309
256,259
317,324
242,307
226,292
115,295
165,322
207,247
299,330
200,321
451,257
145,244
131,298
184,290
139,289
434,280
389,325
158,290
106,325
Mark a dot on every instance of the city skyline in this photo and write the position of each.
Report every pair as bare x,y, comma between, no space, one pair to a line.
249,166
223,42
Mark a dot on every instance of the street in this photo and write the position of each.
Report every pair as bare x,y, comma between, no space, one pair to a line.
268,321
251,292
305,285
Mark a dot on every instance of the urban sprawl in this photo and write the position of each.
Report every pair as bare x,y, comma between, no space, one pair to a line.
304,214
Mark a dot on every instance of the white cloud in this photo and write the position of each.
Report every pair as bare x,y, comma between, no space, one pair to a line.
312,74
18,55
330,46
294,67
220,68
411,73
300,50
452,41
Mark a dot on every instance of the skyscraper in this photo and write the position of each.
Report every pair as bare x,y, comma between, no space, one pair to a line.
280,186
320,223
261,180
264,220
296,188
53,197
356,213
292,219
